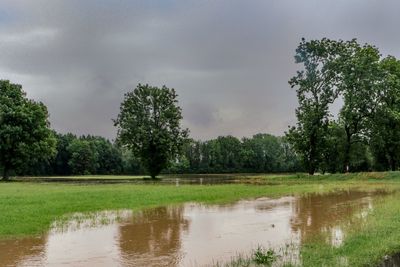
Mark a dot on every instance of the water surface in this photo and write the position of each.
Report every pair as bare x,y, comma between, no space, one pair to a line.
190,234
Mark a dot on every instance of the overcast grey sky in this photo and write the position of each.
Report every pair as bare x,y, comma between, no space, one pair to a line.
228,60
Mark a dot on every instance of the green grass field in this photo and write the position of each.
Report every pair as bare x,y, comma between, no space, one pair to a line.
29,208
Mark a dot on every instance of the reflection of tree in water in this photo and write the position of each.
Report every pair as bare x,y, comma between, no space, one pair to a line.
154,237
324,213
25,251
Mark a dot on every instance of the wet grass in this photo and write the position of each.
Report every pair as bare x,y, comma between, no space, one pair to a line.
366,244
30,208
258,258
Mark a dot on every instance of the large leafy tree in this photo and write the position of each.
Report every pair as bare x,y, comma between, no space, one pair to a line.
149,124
385,134
316,90
25,136
360,78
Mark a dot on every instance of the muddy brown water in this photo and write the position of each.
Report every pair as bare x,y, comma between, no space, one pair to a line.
190,234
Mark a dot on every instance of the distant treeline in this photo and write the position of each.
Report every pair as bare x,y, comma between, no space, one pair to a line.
262,153
226,154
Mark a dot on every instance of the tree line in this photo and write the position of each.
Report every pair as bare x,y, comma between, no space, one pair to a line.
366,133
95,155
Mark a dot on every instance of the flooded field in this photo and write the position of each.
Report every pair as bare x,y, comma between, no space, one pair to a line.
191,179
191,234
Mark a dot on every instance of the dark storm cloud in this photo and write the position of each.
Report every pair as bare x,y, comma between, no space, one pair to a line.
228,60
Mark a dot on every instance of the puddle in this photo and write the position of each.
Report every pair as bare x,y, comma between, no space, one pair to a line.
190,234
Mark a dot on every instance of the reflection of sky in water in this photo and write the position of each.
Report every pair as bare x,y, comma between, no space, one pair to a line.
189,235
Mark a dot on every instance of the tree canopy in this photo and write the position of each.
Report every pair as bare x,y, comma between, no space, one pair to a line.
25,136
316,90
149,123
365,134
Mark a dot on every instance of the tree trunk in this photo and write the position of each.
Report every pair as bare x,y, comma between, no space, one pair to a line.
346,162
392,162
312,158
311,169
5,174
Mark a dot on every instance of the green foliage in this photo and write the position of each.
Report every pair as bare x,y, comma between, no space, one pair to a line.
264,257
228,154
360,75
385,133
130,164
315,88
333,151
149,125
180,165
61,163
25,137
266,153
108,156
224,153
367,131
83,157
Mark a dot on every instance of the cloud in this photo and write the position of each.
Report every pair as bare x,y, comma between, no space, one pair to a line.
228,60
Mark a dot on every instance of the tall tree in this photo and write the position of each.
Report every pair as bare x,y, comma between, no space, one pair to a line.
316,90
385,137
25,136
360,76
149,124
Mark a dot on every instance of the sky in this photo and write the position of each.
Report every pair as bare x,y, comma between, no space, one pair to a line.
229,61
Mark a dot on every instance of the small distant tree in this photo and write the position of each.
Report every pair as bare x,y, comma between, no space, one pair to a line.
25,136
149,125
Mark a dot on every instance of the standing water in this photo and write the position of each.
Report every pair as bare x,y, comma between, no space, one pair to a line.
190,234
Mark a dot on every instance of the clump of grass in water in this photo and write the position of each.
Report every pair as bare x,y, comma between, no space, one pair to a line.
265,257
79,220
259,257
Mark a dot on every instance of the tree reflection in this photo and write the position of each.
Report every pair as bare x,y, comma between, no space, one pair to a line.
22,252
327,213
154,237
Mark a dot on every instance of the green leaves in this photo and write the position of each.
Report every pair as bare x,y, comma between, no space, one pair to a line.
316,90
25,136
370,90
149,124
